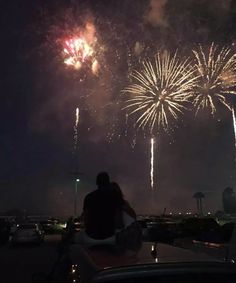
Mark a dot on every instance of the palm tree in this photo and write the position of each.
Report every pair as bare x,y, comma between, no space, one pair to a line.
199,196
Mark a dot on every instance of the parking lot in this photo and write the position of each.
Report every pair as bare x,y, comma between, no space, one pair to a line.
18,264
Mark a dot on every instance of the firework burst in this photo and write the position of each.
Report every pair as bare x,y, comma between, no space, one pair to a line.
78,52
158,94
79,48
216,77
159,91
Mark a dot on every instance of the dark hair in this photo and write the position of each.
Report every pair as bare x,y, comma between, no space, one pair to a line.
103,179
117,192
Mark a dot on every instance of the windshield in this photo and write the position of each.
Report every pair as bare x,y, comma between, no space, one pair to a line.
117,126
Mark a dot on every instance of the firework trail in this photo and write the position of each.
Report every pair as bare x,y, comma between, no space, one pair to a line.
158,94
234,124
76,126
216,72
152,163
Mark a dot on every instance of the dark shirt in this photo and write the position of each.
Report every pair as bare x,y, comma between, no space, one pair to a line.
100,209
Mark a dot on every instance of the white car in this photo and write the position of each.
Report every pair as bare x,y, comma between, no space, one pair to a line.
28,233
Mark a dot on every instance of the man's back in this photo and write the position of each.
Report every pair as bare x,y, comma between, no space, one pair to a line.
100,208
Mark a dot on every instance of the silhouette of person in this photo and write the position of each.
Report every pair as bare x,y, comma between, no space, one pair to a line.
99,213
125,214
100,209
128,231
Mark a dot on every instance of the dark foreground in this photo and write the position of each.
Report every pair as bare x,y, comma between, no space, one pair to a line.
18,264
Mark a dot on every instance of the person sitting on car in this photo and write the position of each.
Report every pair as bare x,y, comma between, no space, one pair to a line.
128,231
125,214
99,213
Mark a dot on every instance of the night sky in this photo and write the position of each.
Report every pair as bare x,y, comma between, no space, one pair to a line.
39,95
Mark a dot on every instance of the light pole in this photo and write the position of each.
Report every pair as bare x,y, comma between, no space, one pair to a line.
76,193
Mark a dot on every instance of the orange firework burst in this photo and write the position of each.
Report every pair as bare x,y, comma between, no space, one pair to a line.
78,51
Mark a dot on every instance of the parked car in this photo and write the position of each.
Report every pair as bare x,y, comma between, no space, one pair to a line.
48,226
199,227
28,233
161,229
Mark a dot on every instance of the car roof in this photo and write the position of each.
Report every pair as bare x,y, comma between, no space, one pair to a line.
156,273
164,253
101,264
100,257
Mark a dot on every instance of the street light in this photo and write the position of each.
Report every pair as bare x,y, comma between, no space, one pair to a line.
76,193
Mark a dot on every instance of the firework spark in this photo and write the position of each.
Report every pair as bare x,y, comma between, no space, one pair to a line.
216,72
159,91
152,163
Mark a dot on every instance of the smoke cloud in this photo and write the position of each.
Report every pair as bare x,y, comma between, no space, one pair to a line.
155,15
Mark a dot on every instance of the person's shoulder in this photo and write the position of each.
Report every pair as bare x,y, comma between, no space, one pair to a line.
90,199
92,194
